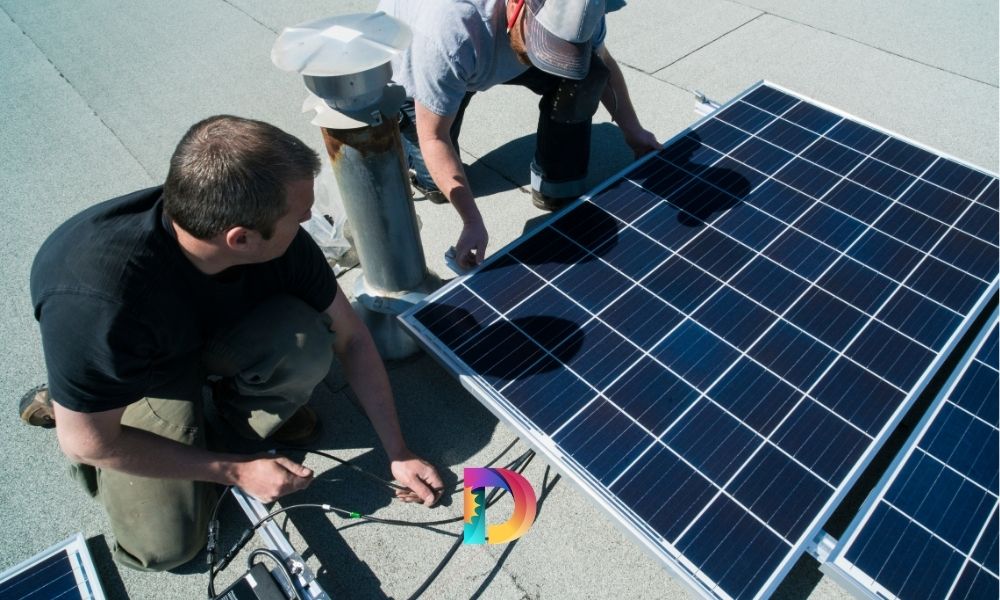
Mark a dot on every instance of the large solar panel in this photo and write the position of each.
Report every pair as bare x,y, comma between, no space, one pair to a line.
929,530
714,343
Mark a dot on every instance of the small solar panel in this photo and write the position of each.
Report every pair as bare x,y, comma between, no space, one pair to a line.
929,529
64,572
714,343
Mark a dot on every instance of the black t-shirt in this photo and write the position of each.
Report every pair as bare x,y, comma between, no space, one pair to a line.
124,314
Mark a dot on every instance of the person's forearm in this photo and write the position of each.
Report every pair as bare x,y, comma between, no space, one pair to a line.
370,382
99,439
145,454
616,98
446,170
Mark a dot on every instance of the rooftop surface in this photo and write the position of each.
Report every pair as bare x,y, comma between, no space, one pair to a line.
96,94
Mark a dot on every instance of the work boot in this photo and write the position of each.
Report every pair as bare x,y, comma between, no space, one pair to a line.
35,407
301,429
435,196
550,203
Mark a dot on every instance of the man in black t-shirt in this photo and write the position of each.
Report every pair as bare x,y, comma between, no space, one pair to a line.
140,298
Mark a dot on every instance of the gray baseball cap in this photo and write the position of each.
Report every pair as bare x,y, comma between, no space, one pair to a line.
558,34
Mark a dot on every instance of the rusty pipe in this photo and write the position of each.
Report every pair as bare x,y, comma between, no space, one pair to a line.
368,166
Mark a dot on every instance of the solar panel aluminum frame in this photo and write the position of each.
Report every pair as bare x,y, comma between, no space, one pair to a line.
630,524
836,565
306,585
80,560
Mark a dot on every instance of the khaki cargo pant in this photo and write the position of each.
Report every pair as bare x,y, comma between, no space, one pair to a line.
276,357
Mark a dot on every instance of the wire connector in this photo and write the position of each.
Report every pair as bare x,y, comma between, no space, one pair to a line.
228,558
212,543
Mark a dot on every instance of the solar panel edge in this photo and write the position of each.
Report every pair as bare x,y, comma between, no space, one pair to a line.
80,562
855,585
836,562
889,132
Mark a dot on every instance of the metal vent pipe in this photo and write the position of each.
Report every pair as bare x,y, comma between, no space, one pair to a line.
344,61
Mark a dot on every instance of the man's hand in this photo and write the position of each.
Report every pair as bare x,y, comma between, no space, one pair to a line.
423,483
642,141
363,368
470,250
268,477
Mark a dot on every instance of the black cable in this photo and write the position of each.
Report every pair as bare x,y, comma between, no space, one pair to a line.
437,570
495,460
428,527
546,489
519,464
248,535
386,482
213,540
494,497
281,567
343,512
350,465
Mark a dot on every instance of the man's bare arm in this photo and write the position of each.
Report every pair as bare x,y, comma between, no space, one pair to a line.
445,167
99,439
365,373
618,103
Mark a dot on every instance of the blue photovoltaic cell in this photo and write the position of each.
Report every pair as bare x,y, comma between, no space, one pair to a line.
931,529
957,178
743,314
47,580
856,136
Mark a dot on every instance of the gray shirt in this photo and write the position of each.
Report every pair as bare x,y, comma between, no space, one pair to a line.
458,46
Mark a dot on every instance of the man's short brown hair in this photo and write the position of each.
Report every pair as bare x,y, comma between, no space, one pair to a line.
229,171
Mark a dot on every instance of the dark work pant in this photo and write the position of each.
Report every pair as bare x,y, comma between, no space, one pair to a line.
562,150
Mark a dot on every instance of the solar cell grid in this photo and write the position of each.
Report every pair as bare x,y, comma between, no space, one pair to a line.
754,283
930,528
64,570
50,578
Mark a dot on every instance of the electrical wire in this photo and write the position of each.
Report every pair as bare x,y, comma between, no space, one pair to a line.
546,489
247,535
496,494
437,570
518,464
348,463
281,567
213,539
392,485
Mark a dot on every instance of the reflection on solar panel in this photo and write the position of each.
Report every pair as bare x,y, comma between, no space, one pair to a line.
714,343
930,529
64,571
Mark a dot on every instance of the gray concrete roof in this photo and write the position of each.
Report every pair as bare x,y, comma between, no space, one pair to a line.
94,95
